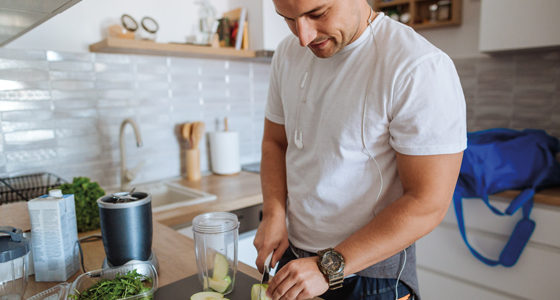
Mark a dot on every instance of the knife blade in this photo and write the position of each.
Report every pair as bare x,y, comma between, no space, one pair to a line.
266,271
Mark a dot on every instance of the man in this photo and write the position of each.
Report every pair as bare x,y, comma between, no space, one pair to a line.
363,140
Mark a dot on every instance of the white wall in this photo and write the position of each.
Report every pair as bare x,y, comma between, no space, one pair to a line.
461,41
86,23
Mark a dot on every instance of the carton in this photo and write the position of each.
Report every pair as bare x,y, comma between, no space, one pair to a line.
54,236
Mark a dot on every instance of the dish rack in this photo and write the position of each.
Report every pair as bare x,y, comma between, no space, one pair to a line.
27,187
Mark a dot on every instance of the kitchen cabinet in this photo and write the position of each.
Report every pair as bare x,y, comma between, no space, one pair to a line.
416,13
266,28
19,17
447,269
507,25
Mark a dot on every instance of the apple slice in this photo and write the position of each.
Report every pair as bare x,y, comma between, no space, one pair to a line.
221,267
218,285
255,292
207,296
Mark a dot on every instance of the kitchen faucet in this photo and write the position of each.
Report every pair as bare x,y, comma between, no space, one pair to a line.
128,175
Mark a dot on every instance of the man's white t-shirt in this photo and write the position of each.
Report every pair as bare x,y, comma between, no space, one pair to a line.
415,106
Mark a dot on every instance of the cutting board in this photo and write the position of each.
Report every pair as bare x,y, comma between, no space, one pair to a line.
185,288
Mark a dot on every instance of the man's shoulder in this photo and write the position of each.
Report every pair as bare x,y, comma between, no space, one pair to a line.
399,44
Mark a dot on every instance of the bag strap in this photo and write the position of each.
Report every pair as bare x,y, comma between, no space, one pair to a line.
520,235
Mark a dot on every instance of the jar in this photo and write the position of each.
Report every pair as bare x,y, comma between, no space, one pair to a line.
14,263
215,240
444,10
433,13
148,29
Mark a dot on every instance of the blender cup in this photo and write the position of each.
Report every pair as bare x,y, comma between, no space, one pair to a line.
14,263
215,242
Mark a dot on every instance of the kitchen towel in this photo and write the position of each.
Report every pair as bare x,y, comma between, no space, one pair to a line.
224,152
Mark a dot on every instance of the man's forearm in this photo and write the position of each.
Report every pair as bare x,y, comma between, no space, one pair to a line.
392,230
273,179
428,184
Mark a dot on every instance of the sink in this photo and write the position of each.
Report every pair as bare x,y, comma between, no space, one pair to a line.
168,195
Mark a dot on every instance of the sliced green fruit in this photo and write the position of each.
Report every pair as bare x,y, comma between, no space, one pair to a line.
218,285
255,292
204,283
207,296
221,267
228,279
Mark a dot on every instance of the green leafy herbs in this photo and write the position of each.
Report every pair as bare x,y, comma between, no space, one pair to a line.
86,194
122,286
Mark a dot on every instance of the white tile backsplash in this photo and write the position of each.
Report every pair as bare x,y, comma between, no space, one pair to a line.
75,103
62,112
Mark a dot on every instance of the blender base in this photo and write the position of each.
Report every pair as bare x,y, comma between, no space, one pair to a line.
151,260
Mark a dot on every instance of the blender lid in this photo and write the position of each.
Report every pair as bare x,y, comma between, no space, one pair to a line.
124,200
14,245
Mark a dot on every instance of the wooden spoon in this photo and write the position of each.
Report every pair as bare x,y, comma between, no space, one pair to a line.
186,132
196,133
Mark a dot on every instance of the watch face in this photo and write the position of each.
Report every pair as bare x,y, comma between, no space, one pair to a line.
331,262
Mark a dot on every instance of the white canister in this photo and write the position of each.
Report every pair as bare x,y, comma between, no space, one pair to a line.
224,152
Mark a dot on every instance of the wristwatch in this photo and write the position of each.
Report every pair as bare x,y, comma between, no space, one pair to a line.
331,264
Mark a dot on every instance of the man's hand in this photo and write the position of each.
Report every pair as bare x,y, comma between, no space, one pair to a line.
299,279
272,235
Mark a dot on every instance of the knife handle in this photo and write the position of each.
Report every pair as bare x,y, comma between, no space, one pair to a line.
268,260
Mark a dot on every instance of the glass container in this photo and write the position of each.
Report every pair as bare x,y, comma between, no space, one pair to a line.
58,292
433,13
215,240
86,280
14,263
444,10
206,18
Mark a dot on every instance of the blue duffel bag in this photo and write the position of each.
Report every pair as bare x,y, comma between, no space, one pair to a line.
503,159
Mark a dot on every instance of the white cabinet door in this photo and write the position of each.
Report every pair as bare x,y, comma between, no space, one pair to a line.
446,265
519,24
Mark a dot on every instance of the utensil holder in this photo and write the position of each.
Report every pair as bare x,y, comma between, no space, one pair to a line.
193,164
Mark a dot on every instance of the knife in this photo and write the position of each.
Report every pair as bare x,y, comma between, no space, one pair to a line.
266,271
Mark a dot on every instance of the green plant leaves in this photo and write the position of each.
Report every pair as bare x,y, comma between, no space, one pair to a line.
121,286
86,194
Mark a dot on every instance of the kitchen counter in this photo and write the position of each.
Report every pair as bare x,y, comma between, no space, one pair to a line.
233,192
175,254
175,251
549,196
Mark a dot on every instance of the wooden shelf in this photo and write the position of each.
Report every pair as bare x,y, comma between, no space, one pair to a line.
392,3
435,25
125,46
418,10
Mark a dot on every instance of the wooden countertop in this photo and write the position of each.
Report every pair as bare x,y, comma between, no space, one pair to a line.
233,192
549,196
175,253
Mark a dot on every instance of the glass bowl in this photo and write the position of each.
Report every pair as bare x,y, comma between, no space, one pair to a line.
58,292
86,280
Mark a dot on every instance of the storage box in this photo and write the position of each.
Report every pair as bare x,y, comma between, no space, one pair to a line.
54,236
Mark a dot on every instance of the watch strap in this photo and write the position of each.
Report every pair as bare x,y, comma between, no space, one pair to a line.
335,281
